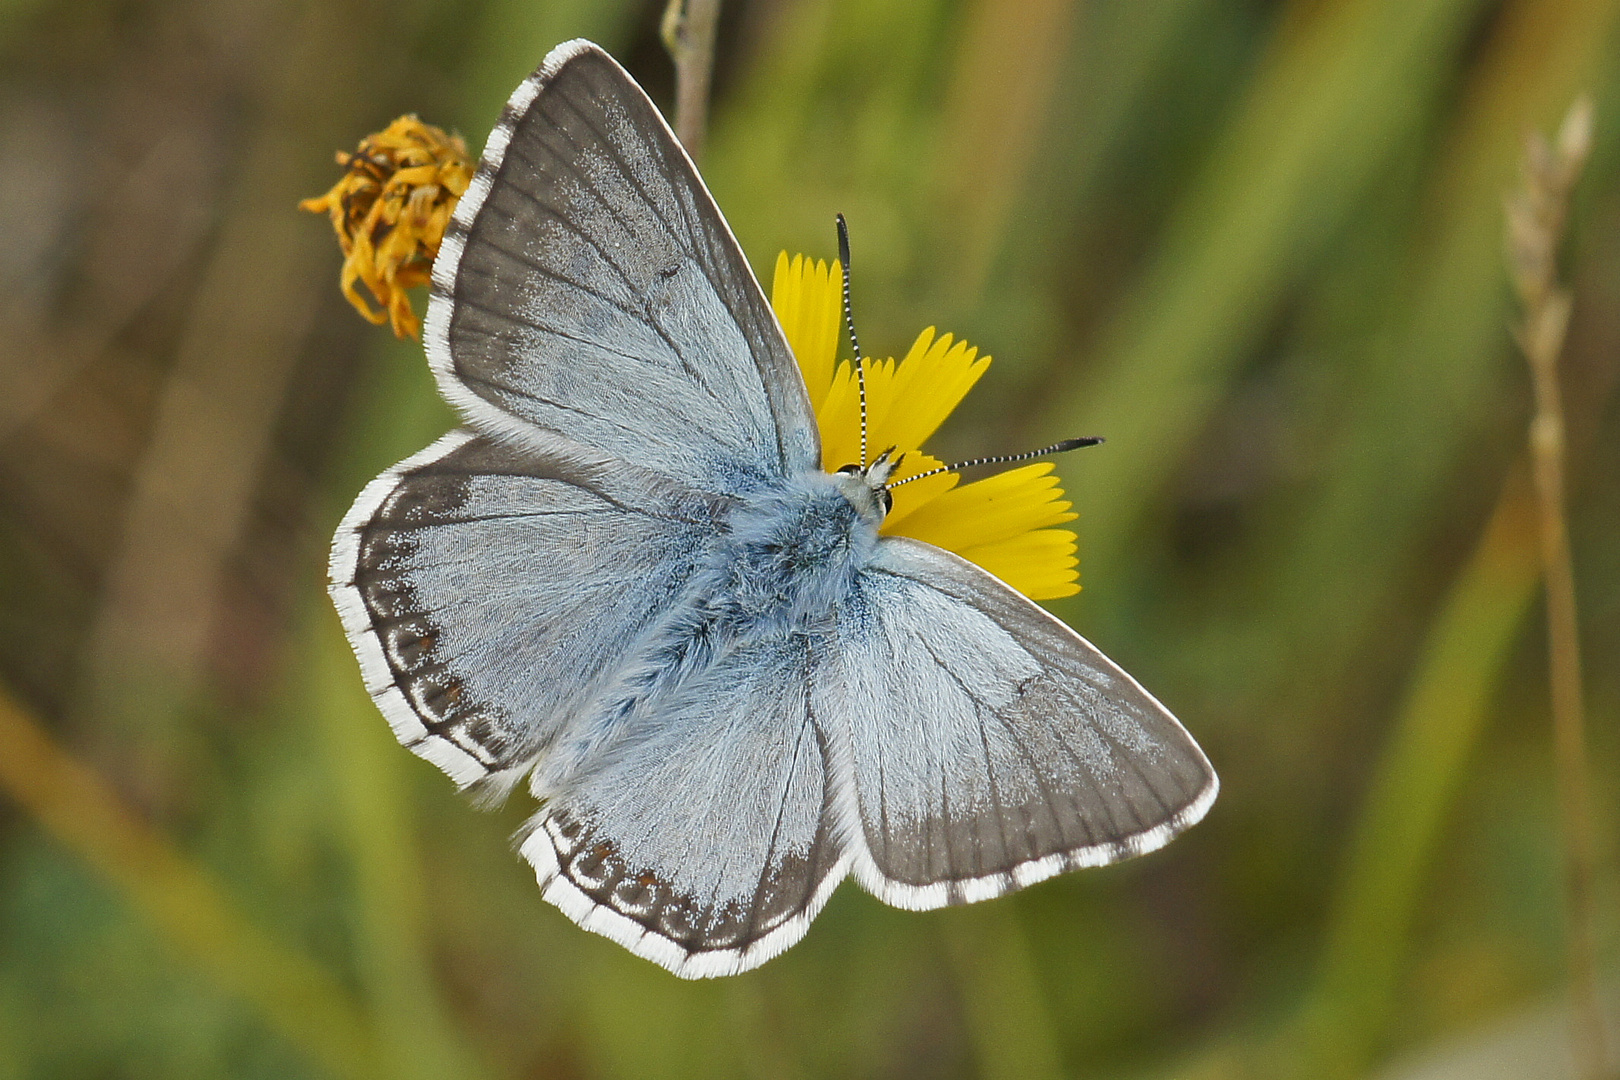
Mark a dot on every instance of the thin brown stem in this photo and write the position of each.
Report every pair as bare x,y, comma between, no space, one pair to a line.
689,30
1536,218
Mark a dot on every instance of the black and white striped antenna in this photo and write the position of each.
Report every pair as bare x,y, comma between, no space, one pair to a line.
1003,459
860,379
849,321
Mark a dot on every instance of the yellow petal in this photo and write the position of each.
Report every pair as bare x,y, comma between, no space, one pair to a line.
388,212
928,385
839,418
1040,564
807,297
990,510
1003,524
840,415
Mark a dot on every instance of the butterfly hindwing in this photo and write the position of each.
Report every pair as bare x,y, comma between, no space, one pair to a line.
590,296
702,837
981,745
486,589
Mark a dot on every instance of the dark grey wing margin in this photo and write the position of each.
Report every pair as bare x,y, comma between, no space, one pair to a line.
589,291
485,591
981,745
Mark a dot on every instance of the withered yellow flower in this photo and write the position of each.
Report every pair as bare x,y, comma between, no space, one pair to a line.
390,211
1003,523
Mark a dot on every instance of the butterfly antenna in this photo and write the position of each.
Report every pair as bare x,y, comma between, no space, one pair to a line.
849,321
1003,459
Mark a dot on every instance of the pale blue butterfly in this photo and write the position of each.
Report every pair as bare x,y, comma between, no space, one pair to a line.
629,579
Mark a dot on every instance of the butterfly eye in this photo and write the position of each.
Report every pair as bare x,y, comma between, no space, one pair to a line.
850,470
885,499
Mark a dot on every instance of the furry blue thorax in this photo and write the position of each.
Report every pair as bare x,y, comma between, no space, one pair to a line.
790,555
783,561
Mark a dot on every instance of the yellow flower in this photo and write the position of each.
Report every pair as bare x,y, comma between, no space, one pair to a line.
1003,523
389,212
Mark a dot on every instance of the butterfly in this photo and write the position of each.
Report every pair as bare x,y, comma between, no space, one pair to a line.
628,578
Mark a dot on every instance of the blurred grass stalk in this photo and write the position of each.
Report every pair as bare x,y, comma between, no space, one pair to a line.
1536,217
1437,726
1003,76
1003,73
1346,1014
1426,394
689,28
192,490
389,914
297,998
1439,722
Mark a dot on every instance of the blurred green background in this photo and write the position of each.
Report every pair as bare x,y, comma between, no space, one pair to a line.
1255,243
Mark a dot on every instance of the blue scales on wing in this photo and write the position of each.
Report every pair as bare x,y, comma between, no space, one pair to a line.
981,745
478,677
702,837
590,300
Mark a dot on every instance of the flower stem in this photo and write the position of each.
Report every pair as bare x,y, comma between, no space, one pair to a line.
689,30
1536,219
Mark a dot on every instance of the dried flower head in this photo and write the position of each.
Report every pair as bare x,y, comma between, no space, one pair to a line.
390,211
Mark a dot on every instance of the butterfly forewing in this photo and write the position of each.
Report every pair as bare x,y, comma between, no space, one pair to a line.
590,295
982,745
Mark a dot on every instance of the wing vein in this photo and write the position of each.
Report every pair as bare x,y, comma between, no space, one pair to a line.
522,258
1130,759
646,314
625,171
980,707
776,830
554,330
995,789
693,229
